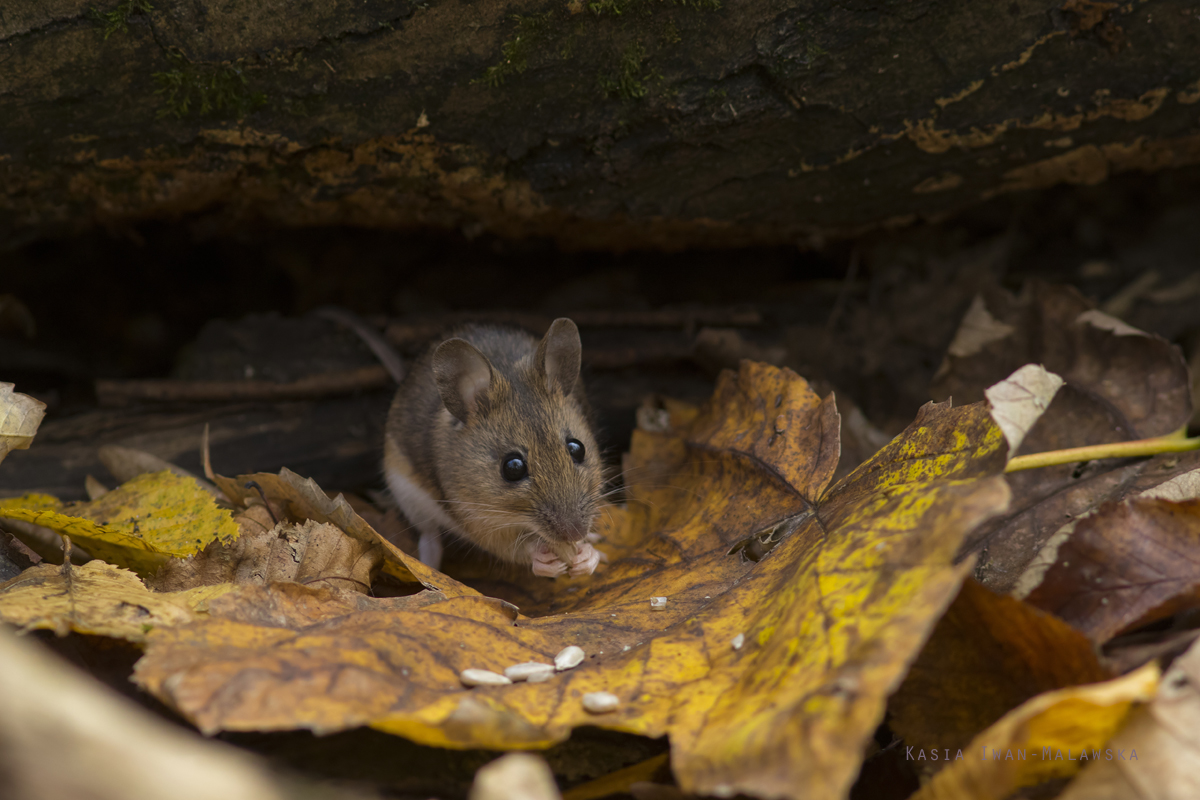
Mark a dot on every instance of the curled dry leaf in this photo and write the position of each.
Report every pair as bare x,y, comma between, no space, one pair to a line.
139,525
298,499
1041,740
308,552
1020,400
1121,384
831,616
20,416
1165,736
1125,566
95,598
1137,383
987,655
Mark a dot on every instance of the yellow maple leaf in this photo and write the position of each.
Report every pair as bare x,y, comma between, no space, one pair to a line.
768,677
95,598
138,525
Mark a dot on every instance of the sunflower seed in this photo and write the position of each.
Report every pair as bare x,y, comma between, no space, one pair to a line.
600,702
568,658
526,671
482,677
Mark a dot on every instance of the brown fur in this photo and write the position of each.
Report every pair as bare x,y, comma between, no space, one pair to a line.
520,407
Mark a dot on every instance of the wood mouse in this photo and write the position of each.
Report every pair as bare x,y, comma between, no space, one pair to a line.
488,439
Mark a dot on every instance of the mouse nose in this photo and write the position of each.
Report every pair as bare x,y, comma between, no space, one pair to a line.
568,527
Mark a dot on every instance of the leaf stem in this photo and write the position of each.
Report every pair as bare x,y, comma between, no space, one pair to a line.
1176,442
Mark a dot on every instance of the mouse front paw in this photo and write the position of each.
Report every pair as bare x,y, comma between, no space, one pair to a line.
548,565
545,563
585,561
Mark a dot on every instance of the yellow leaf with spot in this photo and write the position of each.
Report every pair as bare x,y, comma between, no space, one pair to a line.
769,676
138,525
95,598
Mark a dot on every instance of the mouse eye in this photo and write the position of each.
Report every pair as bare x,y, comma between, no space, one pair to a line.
513,467
576,449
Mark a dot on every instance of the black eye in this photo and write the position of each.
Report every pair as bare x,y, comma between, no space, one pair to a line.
575,448
513,467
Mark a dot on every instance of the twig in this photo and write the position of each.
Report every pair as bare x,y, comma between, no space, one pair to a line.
119,393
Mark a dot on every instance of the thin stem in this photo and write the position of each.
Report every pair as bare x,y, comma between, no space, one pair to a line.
1171,443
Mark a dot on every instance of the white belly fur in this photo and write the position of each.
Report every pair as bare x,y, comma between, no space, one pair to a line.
417,505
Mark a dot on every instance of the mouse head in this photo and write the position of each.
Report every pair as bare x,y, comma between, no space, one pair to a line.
520,456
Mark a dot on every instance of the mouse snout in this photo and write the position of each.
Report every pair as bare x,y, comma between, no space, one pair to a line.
567,526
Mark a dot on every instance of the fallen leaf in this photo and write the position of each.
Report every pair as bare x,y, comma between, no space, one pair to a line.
1157,753
988,654
1120,384
298,499
1125,566
63,735
139,525
308,552
1041,740
95,598
1138,383
1020,400
20,416
830,617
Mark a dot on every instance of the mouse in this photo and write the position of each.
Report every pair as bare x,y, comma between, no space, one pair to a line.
489,440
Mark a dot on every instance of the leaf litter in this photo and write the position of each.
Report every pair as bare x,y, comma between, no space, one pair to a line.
797,703
831,589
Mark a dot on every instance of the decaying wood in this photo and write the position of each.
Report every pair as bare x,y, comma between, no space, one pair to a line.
165,390
605,124
336,441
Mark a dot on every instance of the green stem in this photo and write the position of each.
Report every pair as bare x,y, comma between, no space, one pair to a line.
1171,443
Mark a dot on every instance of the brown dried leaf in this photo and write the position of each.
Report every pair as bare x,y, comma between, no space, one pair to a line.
987,655
1137,383
298,499
1129,564
308,552
1121,384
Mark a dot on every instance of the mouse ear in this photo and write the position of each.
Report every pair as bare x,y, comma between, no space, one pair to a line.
463,375
557,358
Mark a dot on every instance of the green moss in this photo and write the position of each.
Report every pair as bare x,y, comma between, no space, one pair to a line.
514,53
205,89
117,20
670,34
618,7
628,81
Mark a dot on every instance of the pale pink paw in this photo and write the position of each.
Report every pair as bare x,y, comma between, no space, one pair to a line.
548,565
545,563
585,561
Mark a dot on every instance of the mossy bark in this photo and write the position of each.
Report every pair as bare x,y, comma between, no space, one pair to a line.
612,124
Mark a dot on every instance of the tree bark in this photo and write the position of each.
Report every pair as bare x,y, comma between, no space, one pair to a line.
602,123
